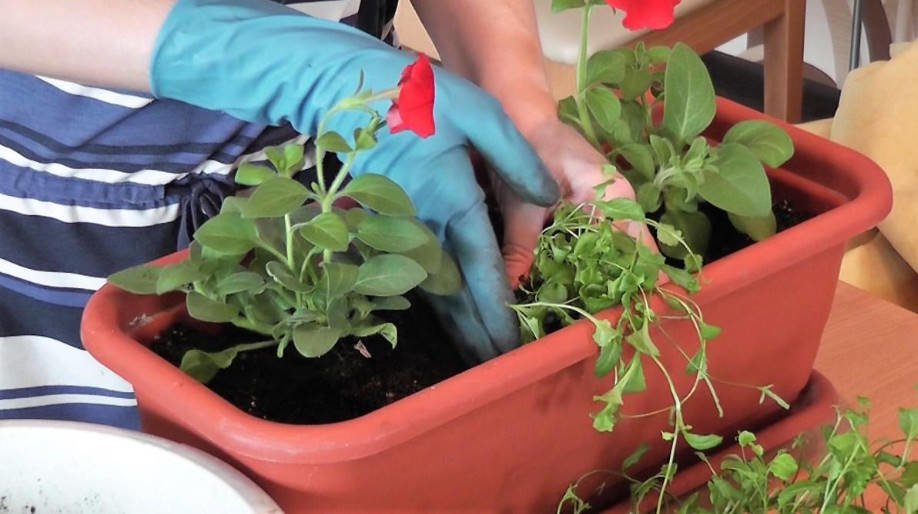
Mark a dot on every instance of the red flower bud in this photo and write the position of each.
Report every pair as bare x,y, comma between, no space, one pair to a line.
645,14
413,110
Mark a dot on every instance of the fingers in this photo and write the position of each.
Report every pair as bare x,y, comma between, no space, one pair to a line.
523,224
493,134
482,318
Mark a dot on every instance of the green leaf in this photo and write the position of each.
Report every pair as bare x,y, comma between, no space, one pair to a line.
312,341
227,233
682,278
738,184
908,422
293,158
690,103
649,197
388,275
203,308
283,276
702,442
635,456
275,197
327,230
391,234
636,83
277,158
642,342
333,142
447,280
603,332
174,276
633,379
429,255
380,194
140,279
604,106
364,139
709,332
911,500
663,149
607,66
694,227
609,357
204,366
386,330
758,229
768,142
641,160
391,303
746,438
338,279
783,466
621,209
567,112
239,282
252,175
658,54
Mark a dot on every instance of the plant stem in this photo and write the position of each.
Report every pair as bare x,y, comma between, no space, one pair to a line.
580,96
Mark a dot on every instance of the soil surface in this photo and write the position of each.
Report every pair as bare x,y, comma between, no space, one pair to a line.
346,383
342,384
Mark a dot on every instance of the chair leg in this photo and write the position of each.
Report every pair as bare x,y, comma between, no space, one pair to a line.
784,38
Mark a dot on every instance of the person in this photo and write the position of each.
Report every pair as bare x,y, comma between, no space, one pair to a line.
121,125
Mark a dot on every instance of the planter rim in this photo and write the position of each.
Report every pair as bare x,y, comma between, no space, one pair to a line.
869,199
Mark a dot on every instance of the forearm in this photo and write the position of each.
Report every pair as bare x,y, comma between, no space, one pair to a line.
495,44
99,42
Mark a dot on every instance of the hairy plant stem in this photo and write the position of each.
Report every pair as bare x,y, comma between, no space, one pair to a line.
580,97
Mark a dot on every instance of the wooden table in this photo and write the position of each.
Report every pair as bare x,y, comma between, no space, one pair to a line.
870,348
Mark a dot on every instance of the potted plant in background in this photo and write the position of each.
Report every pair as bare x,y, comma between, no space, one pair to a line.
512,433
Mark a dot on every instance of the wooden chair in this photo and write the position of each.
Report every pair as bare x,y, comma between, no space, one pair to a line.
702,24
713,22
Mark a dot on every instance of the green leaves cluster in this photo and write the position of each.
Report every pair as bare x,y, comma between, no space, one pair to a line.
584,265
285,262
671,165
833,481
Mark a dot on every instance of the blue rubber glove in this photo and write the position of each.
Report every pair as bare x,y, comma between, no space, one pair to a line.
267,63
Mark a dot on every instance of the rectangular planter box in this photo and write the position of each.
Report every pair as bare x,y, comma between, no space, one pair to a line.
510,435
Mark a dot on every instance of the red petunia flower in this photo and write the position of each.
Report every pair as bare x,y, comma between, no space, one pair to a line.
413,110
645,14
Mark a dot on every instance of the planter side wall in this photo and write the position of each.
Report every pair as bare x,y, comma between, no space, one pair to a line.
520,453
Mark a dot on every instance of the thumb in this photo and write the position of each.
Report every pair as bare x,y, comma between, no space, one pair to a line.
523,223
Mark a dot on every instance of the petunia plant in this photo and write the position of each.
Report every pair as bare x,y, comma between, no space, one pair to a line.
646,110
287,262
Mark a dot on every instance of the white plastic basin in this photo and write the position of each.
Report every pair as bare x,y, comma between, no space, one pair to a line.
79,468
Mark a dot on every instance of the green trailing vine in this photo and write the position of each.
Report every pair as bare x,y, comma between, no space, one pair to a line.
584,266
793,481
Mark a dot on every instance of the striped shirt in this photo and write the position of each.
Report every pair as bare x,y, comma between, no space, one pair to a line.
93,181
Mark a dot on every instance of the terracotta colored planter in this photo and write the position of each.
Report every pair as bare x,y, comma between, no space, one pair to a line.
510,435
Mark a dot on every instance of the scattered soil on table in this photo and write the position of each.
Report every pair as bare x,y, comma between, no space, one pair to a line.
342,384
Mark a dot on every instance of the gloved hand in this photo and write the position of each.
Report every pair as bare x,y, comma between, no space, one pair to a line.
264,62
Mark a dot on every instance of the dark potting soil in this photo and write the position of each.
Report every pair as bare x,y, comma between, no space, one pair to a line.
725,239
343,384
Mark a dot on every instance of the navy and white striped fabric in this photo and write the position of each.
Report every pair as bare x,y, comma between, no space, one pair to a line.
93,181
